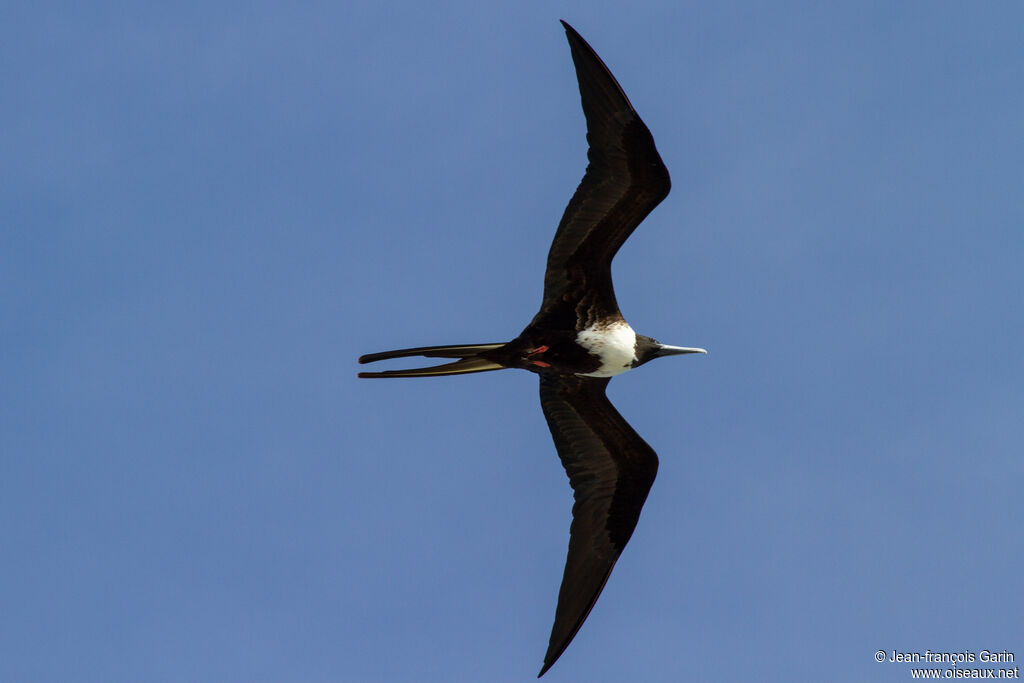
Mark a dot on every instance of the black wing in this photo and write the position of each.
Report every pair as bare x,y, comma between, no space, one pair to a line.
625,180
611,469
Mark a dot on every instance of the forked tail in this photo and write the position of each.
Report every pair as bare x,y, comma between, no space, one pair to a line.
469,360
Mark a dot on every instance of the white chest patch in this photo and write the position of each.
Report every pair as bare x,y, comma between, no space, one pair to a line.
614,344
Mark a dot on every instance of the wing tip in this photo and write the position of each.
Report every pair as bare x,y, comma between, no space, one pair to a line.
571,32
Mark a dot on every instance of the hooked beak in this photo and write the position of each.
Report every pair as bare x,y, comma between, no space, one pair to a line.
667,350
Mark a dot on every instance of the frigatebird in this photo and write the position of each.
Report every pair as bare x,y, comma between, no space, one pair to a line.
579,340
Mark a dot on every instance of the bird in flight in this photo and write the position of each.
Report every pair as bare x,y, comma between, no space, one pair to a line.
579,340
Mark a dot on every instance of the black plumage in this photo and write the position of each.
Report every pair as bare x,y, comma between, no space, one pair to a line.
579,339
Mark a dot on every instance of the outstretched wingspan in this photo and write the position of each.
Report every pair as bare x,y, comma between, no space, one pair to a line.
624,181
611,470
579,338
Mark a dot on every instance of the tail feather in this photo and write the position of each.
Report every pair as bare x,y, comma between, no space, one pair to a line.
468,361
456,351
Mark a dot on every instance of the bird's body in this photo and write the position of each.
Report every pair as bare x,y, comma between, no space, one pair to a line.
579,340
614,343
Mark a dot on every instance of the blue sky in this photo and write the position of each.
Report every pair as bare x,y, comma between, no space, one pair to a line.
209,210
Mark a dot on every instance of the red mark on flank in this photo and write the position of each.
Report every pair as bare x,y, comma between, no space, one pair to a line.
538,363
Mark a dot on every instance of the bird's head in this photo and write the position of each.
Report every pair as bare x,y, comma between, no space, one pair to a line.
649,349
